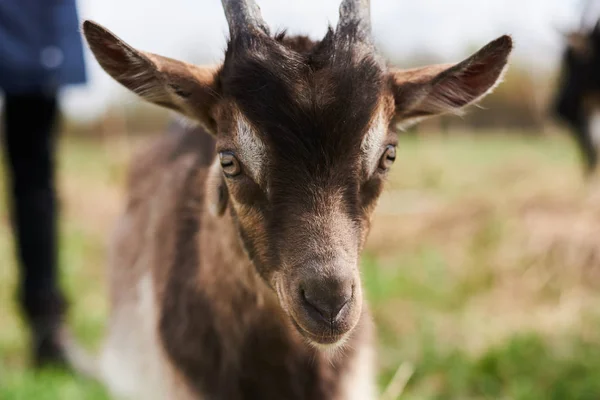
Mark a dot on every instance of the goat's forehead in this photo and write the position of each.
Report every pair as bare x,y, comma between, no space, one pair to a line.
306,110
314,151
273,83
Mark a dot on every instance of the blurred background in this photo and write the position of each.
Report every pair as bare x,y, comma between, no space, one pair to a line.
483,266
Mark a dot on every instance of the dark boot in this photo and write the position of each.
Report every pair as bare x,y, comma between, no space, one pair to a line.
46,322
46,345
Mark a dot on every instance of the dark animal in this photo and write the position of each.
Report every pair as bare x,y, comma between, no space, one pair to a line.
578,98
237,276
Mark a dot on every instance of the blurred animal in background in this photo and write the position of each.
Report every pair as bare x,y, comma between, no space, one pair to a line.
578,98
236,275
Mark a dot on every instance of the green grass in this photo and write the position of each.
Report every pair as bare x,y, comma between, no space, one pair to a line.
82,260
47,384
482,270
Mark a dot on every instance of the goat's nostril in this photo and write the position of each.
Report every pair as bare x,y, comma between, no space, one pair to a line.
311,305
326,303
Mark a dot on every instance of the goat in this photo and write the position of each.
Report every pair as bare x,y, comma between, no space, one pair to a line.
578,96
236,276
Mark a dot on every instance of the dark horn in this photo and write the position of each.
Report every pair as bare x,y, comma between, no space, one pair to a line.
243,16
358,13
585,16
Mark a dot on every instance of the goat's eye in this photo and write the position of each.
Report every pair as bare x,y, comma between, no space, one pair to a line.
388,157
230,165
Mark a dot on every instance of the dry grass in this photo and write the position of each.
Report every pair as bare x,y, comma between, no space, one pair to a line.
477,239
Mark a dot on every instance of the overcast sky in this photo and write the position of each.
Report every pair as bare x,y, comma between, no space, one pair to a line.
195,30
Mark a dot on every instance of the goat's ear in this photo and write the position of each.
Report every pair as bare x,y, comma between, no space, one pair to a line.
440,89
186,88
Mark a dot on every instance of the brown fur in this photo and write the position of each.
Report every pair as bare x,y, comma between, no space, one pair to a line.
230,350
245,284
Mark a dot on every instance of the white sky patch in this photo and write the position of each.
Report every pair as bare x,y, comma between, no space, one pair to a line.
196,31
372,144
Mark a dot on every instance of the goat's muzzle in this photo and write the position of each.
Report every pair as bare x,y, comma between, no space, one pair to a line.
325,308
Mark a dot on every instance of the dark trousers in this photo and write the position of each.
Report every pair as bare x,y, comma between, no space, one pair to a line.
29,144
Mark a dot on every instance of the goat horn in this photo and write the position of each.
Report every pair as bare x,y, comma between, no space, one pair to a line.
243,16
358,13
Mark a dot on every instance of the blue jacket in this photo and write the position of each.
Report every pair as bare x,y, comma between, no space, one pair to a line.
40,45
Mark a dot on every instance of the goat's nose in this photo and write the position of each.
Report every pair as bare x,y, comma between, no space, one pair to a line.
325,299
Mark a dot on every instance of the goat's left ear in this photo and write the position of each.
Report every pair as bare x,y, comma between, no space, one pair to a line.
186,88
440,89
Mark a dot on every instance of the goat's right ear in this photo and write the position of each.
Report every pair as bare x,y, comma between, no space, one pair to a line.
440,89
186,88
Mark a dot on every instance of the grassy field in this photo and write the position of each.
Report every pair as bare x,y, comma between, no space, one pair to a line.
482,270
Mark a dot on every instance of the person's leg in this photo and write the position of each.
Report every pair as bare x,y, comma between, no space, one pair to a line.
29,145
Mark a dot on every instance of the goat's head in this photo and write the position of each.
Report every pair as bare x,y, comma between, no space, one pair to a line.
304,141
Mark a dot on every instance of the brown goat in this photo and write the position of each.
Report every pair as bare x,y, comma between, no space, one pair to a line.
237,277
